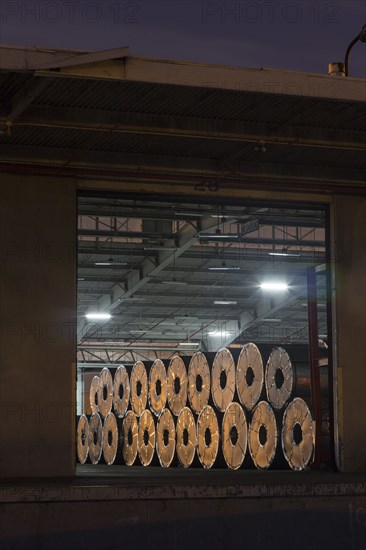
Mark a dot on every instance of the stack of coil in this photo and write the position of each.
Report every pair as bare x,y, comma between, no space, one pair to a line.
229,409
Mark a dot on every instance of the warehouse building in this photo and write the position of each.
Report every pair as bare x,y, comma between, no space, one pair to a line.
200,208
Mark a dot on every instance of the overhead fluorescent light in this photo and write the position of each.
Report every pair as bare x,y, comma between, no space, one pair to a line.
189,344
288,254
274,286
271,320
147,248
81,279
195,214
173,282
217,236
95,316
109,263
220,333
225,302
223,268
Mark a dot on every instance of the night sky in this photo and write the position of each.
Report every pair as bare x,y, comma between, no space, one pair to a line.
300,35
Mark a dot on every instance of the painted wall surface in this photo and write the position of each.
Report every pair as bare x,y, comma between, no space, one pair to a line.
38,309
350,306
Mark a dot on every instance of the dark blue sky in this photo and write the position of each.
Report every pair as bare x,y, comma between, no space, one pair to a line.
299,35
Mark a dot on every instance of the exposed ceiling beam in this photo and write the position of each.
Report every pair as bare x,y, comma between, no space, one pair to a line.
110,122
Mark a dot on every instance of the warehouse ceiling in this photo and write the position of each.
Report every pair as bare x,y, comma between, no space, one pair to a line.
178,276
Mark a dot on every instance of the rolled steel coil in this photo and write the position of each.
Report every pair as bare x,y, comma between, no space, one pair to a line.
146,438
106,392
110,438
95,438
279,378
223,379
207,437
138,388
186,437
249,376
94,395
262,436
177,385
129,438
165,438
298,434
234,436
157,387
82,441
199,382
121,391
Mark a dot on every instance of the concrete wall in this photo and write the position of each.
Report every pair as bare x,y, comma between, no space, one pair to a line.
37,312
349,248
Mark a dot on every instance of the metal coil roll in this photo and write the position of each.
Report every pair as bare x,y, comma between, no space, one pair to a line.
95,438
165,438
186,437
199,382
298,434
129,438
223,379
106,392
110,438
207,437
279,378
138,388
94,395
234,436
157,387
146,438
262,436
177,385
249,376
82,441
121,391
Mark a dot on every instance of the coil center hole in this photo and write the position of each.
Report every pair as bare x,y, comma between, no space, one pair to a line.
297,433
199,383
129,437
249,376
158,387
96,399
121,391
138,388
83,437
223,379
110,438
105,393
146,437
177,385
234,435
95,437
166,437
279,378
185,437
208,437
262,435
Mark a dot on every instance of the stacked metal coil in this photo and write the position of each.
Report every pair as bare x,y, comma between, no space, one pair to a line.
236,408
